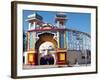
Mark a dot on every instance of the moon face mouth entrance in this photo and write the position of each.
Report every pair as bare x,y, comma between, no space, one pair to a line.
47,60
47,53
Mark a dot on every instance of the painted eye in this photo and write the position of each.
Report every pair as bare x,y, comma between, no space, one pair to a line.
43,50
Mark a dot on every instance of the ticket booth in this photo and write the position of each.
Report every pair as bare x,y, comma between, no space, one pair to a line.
31,58
62,57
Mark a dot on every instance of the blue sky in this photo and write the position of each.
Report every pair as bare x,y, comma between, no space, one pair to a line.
77,21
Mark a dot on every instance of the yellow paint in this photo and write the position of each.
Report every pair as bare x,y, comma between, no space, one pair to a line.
58,40
31,57
28,34
47,27
33,41
62,56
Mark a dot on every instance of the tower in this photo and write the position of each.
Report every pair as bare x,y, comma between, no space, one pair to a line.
60,20
35,21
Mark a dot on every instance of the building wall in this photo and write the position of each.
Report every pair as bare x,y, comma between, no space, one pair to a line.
76,56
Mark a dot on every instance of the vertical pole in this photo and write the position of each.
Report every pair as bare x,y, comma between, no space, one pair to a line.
28,41
29,26
85,51
70,40
58,39
65,39
58,24
34,25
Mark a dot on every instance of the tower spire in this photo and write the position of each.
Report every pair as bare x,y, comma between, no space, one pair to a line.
35,20
60,19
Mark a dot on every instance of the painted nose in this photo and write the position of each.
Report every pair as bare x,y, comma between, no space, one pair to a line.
46,52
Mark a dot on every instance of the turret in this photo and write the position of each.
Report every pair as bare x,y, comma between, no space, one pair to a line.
35,21
60,20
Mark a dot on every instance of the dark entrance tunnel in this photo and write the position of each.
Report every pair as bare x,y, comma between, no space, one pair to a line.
47,60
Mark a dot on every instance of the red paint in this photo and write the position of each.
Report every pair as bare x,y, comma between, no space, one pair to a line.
53,29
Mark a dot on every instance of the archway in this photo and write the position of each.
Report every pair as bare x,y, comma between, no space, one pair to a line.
46,49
